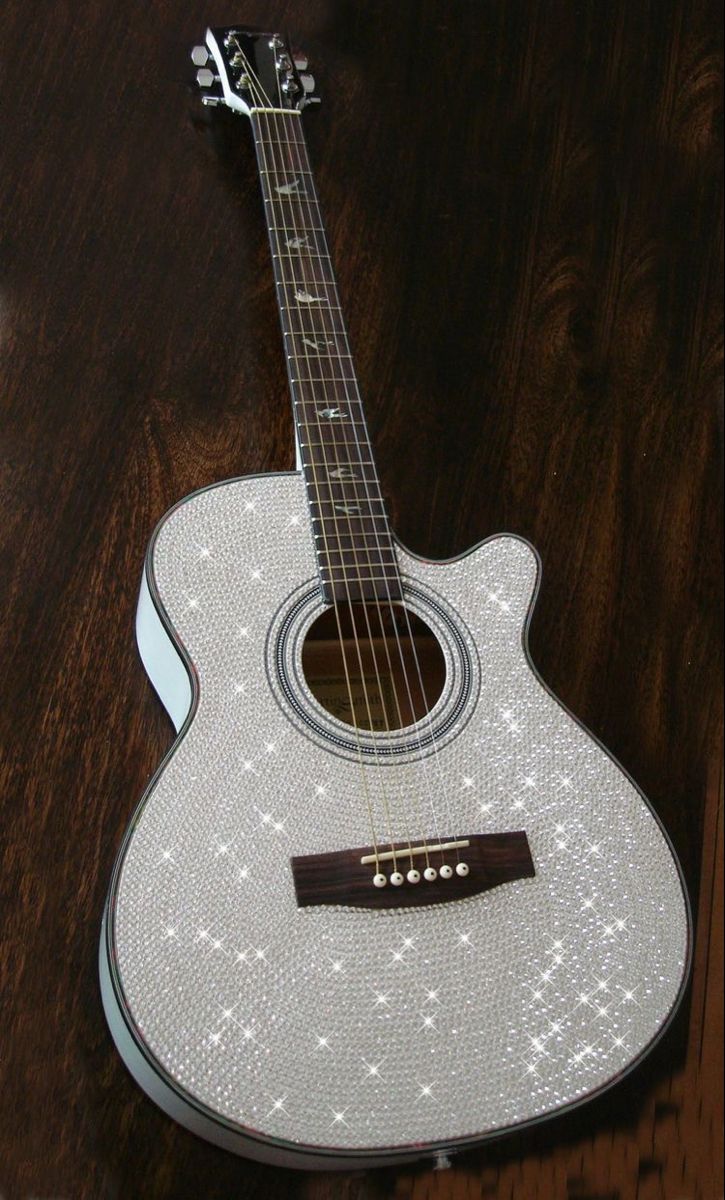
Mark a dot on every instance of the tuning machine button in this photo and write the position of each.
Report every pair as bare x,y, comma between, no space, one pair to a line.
200,56
308,83
205,78
300,60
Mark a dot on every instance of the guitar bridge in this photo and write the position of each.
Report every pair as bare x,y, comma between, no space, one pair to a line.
435,872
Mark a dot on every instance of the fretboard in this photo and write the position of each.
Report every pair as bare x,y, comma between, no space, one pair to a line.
355,550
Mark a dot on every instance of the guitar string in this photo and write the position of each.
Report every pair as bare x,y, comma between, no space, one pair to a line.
387,582
349,687
392,610
335,520
366,794
356,401
413,648
407,616
297,158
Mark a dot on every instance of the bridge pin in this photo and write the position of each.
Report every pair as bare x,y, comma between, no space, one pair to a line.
413,876
396,879
446,872
462,868
379,880
430,874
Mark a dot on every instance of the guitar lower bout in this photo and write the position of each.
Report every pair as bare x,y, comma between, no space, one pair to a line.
576,973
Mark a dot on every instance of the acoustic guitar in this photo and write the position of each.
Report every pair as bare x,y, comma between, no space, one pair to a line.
385,897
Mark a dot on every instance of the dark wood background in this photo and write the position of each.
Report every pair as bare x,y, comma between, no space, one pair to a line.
524,202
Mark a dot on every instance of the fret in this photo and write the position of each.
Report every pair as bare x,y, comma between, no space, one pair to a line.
275,142
307,208
300,171
324,379
315,480
293,182
359,462
305,257
318,353
303,301
347,426
320,323
302,227
304,200
343,473
350,502
296,230
317,362
327,326
313,445
343,421
301,234
325,393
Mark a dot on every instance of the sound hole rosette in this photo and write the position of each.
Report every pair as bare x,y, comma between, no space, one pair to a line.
446,718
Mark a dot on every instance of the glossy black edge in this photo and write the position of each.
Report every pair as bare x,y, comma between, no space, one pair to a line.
259,1146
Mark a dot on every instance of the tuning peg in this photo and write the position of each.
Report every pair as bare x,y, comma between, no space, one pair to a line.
200,56
300,60
205,78
308,83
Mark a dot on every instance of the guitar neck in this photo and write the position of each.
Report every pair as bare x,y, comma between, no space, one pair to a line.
353,541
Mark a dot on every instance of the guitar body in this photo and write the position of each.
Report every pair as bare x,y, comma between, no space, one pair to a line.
330,1035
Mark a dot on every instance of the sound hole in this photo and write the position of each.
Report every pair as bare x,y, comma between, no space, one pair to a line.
375,667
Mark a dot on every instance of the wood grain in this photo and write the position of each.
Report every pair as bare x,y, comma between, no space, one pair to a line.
524,201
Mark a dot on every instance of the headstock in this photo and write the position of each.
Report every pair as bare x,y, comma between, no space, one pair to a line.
245,69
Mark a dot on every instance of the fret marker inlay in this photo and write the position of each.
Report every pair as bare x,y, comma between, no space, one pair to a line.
296,243
317,345
290,189
307,298
332,414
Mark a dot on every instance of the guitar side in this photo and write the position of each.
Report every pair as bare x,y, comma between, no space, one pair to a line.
554,1014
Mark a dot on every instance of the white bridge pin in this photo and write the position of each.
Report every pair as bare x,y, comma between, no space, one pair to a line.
430,874
446,872
413,876
462,868
396,879
379,880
